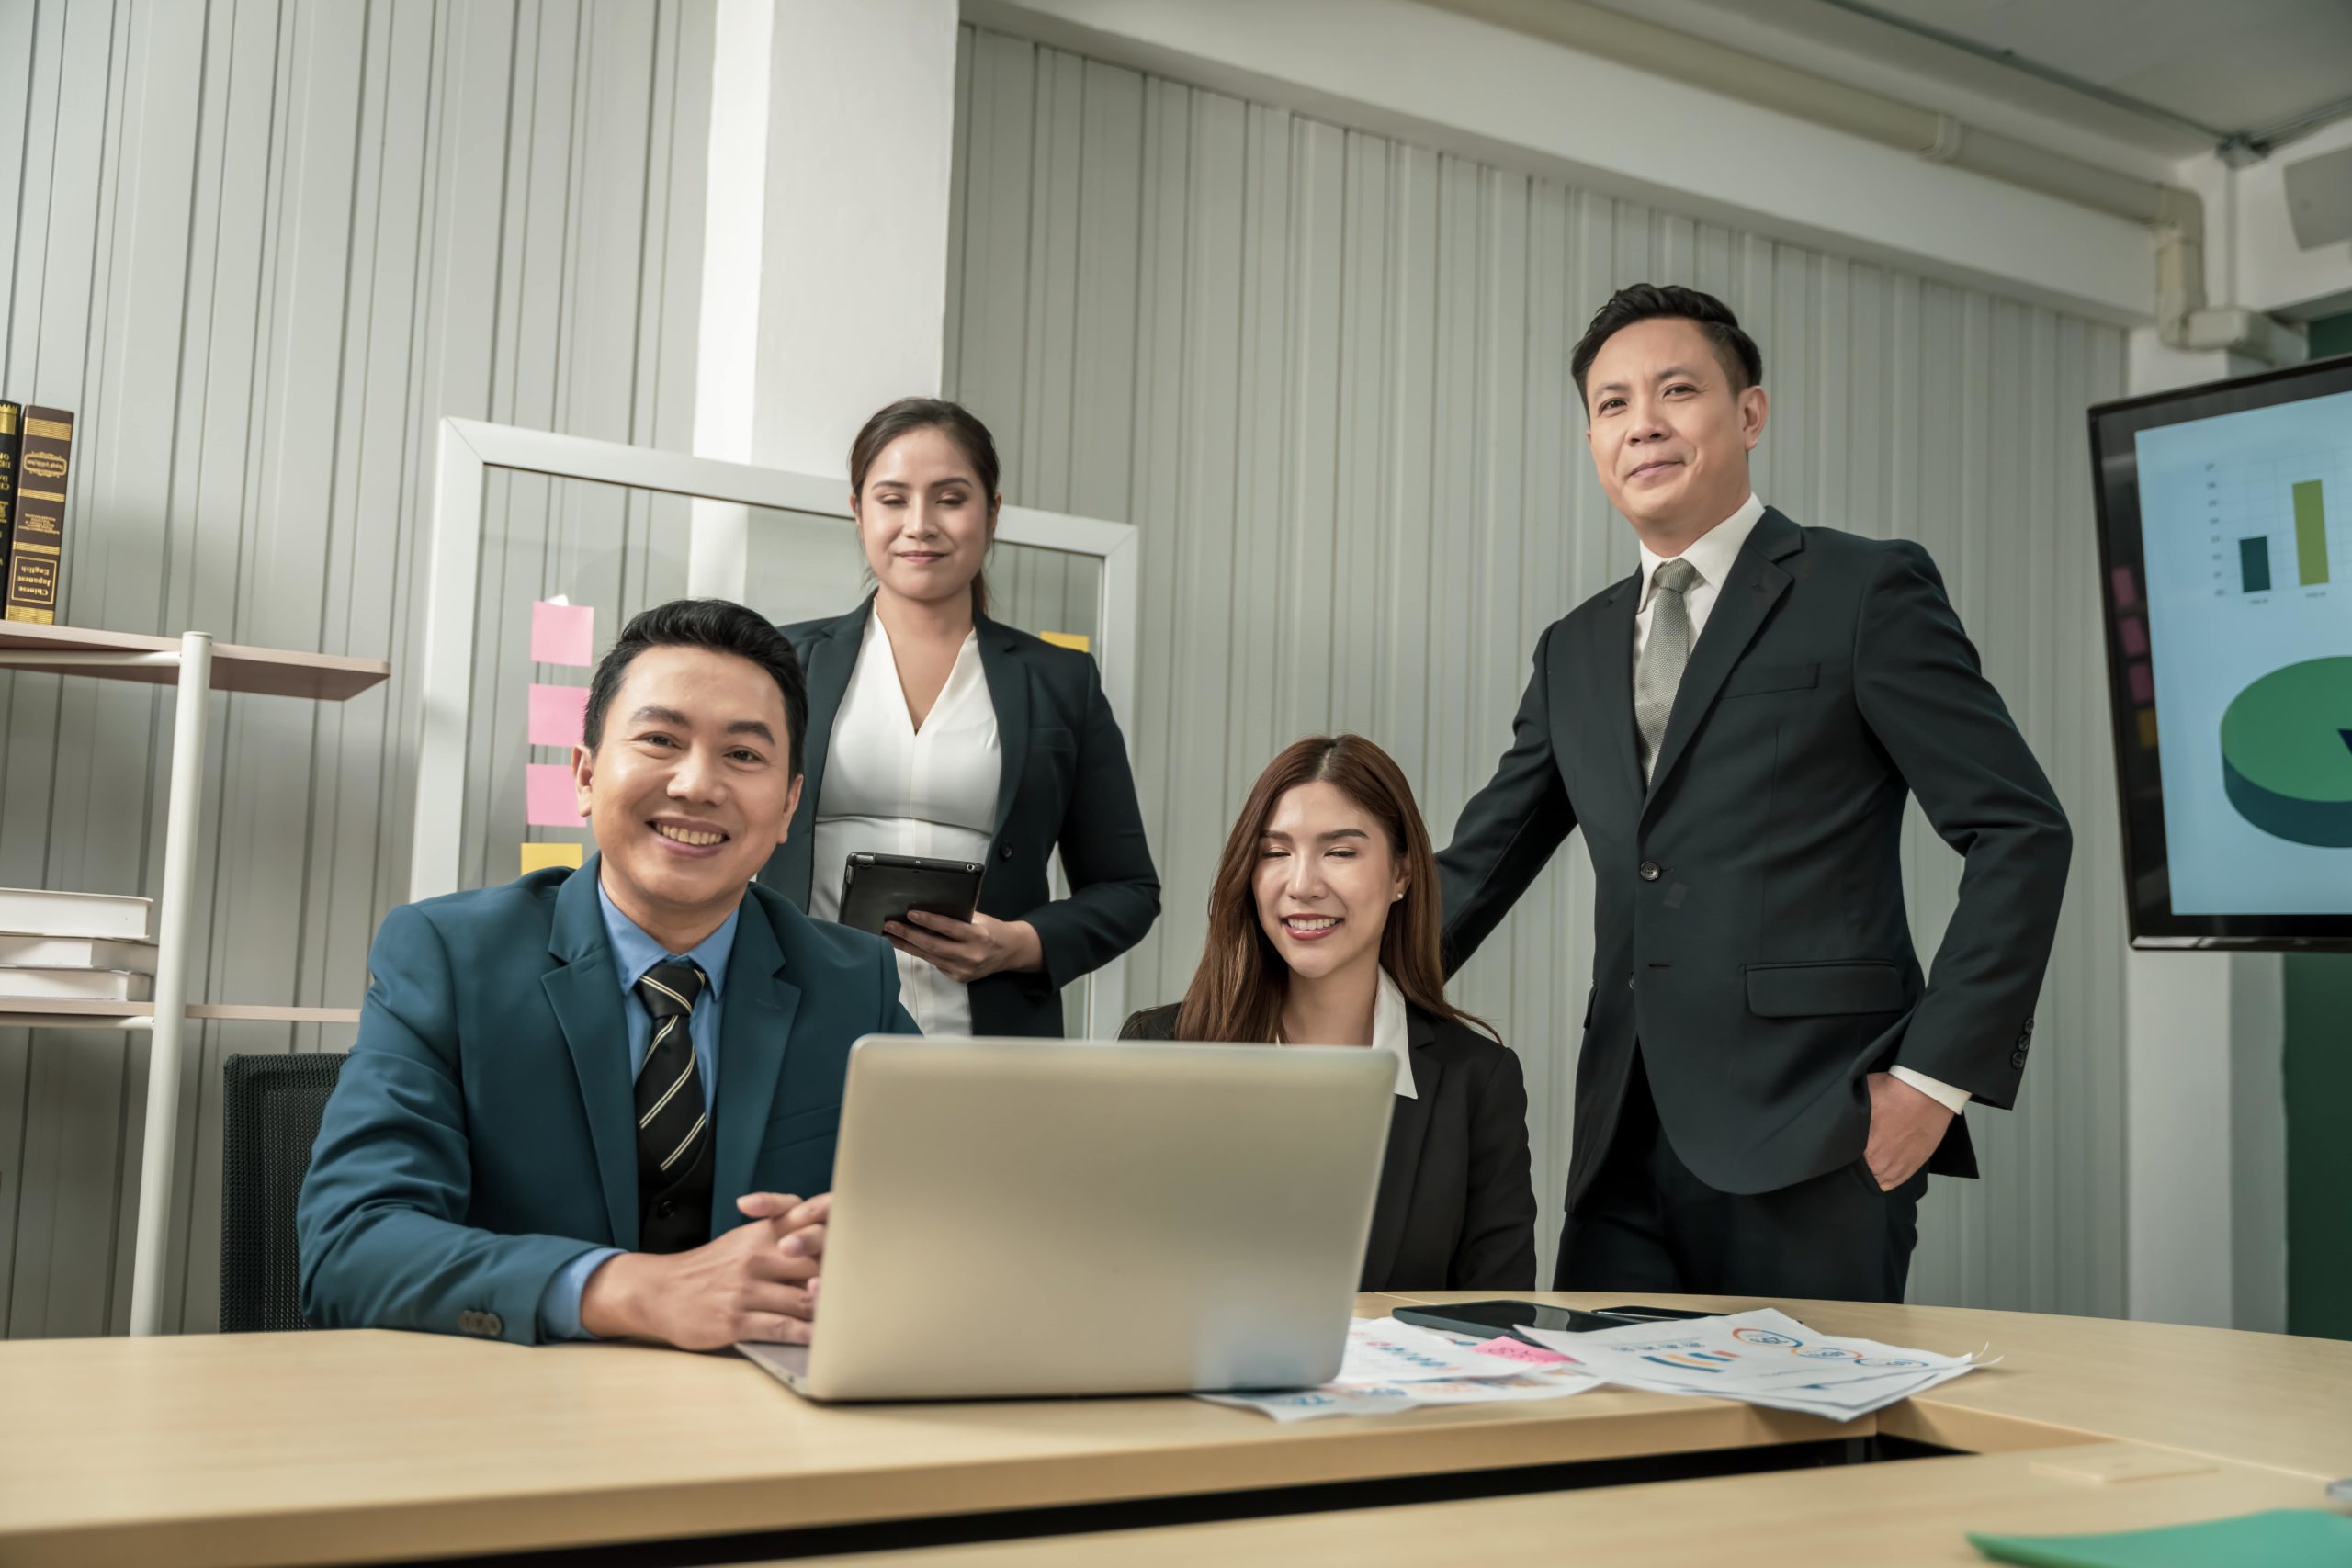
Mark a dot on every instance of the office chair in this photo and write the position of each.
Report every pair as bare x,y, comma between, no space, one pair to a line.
270,1107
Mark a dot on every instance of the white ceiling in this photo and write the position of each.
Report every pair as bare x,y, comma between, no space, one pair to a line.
2235,65
2238,65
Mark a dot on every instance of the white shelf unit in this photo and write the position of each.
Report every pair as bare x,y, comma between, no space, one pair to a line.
195,665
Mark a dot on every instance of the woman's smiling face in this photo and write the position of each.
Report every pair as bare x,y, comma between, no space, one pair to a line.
924,517
1327,877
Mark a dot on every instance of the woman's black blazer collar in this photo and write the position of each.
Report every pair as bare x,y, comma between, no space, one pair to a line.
828,650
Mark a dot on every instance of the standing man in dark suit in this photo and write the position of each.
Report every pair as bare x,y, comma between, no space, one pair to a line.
1766,1079
582,1105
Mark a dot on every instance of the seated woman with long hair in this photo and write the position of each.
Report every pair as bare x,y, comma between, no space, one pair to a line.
1323,930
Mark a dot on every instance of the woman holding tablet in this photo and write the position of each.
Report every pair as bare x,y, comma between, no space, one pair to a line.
936,732
1323,930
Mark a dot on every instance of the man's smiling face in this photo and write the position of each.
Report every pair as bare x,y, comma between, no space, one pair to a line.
691,785
1670,427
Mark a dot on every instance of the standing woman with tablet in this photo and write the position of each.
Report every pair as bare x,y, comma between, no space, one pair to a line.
1323,930
936,732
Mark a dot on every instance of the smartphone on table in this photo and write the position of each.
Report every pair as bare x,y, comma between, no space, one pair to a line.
1487,1319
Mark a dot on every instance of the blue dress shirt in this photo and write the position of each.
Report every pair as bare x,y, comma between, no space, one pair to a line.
633,953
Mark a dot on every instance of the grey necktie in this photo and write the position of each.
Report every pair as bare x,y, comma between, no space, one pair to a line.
1665,651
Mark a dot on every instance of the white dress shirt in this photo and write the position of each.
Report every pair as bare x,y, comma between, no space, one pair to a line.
1710,555
893,789
1389,1033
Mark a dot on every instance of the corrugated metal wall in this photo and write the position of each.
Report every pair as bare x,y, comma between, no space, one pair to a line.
261,248
1326,373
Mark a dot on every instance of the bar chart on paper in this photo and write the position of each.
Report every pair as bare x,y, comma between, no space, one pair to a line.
2246,519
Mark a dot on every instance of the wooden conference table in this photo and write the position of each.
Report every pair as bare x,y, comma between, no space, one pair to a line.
372,1447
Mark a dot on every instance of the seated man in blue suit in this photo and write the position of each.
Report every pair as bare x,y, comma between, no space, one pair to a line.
580,1104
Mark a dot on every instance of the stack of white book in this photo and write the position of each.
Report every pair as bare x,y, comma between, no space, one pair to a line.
75,946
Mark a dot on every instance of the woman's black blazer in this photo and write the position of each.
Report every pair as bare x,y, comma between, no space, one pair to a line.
1065,784
1456,1210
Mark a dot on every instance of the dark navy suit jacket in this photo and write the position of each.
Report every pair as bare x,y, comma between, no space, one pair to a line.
482,1136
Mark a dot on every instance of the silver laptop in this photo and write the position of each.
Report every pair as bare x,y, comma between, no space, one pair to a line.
1024,1217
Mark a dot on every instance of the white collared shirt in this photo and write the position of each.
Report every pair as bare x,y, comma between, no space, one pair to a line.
1391,1031
1710,555
892,789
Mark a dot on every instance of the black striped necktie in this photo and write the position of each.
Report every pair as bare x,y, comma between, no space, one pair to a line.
672,1123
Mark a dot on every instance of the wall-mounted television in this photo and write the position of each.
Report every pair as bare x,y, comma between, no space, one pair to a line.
2225,549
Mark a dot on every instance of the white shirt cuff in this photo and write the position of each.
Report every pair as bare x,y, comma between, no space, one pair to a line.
1943,1094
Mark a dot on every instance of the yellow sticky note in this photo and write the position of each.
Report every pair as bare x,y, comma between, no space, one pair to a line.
539,857
1078,640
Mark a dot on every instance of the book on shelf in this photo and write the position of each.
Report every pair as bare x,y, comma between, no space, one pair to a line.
40,911
36,531
36,950
12,417
22,984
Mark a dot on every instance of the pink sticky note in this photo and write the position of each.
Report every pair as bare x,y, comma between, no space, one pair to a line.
2133,635
2143,682
562,633
557,714
548,799
2127,589
1511,1349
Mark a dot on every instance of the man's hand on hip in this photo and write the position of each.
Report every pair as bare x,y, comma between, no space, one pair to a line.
758,1281
1906,1127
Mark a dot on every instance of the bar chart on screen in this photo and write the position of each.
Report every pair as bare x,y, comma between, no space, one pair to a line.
2278,524
2247,523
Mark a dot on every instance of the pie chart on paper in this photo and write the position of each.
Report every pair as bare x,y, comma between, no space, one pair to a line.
2287,752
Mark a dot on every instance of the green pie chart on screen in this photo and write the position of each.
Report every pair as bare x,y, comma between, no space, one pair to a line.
2287,752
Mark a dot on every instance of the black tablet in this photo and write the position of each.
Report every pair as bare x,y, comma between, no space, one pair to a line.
875,889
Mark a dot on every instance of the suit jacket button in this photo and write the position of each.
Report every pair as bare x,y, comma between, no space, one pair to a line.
1629,983
467,1323
493,1326
1004,851
2016,1057
1651,871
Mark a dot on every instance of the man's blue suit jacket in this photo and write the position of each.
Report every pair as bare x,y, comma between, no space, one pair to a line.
482,1136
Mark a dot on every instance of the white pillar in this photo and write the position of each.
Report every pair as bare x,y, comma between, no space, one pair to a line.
159,1161
2205,1103
853,299
734,211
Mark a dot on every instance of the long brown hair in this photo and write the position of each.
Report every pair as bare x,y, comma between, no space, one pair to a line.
1236,993
960,426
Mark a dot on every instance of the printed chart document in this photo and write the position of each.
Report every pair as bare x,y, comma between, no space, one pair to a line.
1394,1366
1762,1357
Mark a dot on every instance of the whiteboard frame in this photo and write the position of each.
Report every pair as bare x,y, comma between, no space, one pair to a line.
717,548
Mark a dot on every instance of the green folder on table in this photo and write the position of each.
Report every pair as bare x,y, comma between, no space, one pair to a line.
2281,1538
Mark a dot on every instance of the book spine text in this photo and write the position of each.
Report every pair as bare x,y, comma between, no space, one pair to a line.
37,537
12,416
